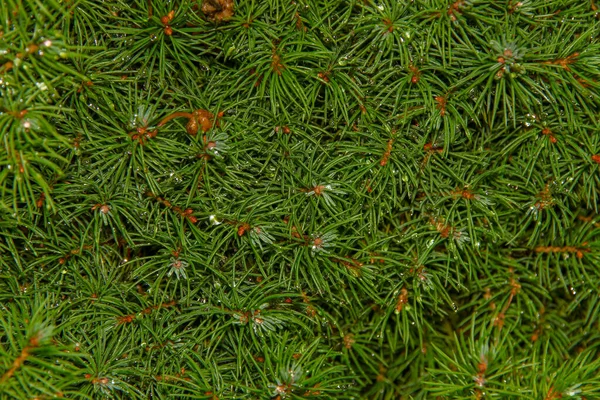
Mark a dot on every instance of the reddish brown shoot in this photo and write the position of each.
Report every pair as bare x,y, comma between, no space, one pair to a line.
73,252
142,134
6,67
40,201
415,74
317,190
441,104
248,23
259,77
318,242
173,116
547,132
546,199
104,208
387,153
284,129
208,145
299,24
97,380
537,333
514,6
218,10
187,213
515,288
18,114
381,375
481,369
178,376
430,148
588,219
84,85
564,62
349,340
313,391
197,119
578,251
126,319
243,229
376,258
389,25
402,300
553,394
444,229
466,194
166,21
310,310
454,9
324,76
353,265
34,342
276,64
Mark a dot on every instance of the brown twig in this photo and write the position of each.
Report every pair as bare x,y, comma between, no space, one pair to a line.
34,343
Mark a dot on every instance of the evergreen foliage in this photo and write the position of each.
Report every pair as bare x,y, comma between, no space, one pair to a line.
384,199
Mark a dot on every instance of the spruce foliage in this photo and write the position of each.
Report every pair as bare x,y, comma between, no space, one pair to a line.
342,199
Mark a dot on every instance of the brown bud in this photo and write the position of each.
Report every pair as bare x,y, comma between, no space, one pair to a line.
192,126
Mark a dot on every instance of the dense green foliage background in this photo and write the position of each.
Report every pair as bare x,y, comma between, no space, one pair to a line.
299,199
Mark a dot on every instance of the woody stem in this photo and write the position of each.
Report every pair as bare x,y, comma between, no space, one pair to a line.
174,115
